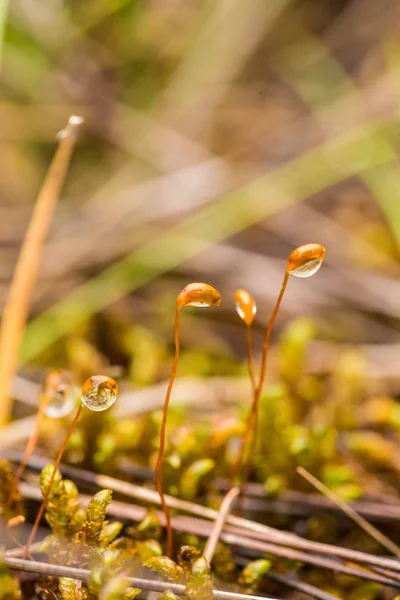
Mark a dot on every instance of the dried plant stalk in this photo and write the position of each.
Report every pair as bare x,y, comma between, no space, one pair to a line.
17,303
243,542
351,513
144,584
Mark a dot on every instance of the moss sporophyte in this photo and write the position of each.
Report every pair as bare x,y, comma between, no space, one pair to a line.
98,393
200,295
304,261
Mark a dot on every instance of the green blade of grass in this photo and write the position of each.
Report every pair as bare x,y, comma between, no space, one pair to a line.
320,81
307,175
3,19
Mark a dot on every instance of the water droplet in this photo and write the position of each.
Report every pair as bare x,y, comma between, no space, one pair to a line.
99,392
246,307
199,294
306,260
58,393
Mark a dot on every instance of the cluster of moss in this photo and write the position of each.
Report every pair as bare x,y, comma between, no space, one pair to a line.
303,417
329,423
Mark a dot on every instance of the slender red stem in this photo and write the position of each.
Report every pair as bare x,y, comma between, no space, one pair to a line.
47,493
158,467
268,334
253,415
250,366
30,446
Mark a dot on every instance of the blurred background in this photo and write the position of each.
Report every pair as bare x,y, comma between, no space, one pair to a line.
218,136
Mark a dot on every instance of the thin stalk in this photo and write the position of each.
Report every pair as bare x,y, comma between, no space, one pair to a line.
263,370
249,421
223,512
250,362
47,493
270,325
28,451
252,424
158,467
17,303
377,535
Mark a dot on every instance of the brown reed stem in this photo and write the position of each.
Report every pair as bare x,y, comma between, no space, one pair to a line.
17,303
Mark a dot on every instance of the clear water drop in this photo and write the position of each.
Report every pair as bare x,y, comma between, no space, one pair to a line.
308,268
198,304
99,392
58,394
305,260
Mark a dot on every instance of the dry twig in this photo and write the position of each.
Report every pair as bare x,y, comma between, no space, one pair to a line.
240,538
223,512
137,582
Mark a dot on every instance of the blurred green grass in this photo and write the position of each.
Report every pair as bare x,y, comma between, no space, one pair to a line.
274,192
165,87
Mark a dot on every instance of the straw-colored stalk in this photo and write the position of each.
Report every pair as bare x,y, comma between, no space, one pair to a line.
17,303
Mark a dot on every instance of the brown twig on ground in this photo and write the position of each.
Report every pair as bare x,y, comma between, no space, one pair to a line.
256,499
239,538
137,582
17,304
237,525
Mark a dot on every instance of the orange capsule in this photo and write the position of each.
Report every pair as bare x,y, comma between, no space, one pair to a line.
198,294
246,307
306,260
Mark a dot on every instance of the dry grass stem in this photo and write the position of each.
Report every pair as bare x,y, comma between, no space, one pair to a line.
351,513
236,525
241,540
17,303
137,582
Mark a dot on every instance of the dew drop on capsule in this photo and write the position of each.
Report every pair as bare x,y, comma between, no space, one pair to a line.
246,307
306,260
99,392
58,394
